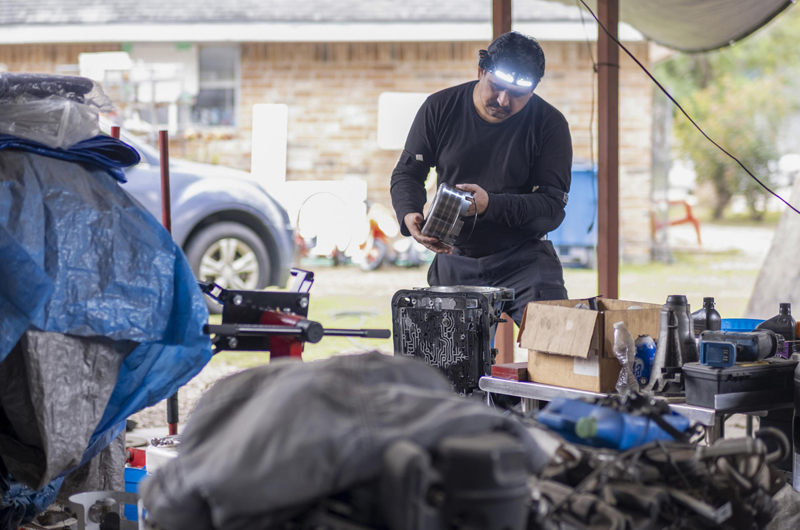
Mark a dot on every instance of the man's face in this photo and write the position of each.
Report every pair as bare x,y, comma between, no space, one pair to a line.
500,99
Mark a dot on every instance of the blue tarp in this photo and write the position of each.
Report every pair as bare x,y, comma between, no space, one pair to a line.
79,256
102,151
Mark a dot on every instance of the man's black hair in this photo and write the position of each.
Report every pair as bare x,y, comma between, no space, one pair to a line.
518,52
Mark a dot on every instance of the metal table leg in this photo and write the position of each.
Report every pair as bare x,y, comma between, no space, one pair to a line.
716,431
529,405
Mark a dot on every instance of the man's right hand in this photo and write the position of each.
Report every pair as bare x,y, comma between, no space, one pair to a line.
413,222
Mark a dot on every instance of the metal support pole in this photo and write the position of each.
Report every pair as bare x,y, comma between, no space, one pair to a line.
501,17
608,156
504,341
166,220
504,336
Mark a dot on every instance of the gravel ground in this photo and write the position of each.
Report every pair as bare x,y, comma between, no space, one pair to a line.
188,396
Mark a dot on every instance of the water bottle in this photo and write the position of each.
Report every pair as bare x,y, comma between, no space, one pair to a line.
625,352
645,356
706,319
783,324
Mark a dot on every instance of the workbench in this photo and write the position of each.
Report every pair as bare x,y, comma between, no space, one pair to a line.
531,393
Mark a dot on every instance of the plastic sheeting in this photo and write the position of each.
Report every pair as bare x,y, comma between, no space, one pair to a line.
56,390
79,256
102,151
56,110
264,443
19,504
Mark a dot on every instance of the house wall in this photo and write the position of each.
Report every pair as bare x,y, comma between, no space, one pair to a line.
332,93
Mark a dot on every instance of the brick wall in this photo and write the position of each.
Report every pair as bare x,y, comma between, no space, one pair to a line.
332,93
45,58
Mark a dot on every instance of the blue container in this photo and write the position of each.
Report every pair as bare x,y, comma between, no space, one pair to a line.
133,476
597,426
581,212
740,324
645,355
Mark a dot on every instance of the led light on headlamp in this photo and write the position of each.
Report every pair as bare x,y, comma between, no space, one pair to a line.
522,79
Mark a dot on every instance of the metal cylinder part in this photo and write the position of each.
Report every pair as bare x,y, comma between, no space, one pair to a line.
444,218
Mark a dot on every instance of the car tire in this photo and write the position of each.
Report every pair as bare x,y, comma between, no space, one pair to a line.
374,256
218,250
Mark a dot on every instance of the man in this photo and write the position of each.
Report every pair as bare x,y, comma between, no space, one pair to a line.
512,151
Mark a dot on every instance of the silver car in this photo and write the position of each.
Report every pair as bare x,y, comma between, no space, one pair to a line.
232,231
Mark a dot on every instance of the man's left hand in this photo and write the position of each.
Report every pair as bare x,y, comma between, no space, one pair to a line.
480,196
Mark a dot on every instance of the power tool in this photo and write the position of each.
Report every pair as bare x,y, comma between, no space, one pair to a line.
722,349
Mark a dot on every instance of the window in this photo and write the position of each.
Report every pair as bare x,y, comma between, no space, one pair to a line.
217,101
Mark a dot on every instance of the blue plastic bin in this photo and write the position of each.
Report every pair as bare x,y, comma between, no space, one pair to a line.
573,240
133,476
740,324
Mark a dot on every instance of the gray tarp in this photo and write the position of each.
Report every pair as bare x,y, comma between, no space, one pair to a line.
695,25
264,443
54,393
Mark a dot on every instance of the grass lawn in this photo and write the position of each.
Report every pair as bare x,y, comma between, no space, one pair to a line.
346,297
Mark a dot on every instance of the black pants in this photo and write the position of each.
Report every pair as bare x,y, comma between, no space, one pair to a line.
532,269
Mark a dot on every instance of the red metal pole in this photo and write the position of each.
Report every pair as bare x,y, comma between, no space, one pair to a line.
115,132
608,156
166,220
166,211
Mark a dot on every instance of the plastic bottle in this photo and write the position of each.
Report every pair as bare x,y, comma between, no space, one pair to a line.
707,318
783,324
625,352
645,355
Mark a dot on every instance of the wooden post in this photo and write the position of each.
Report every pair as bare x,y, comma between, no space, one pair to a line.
608,156
501,17
504,337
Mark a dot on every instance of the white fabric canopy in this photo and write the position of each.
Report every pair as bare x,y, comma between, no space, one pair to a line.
695,25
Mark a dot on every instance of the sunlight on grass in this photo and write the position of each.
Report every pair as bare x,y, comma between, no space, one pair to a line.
346,297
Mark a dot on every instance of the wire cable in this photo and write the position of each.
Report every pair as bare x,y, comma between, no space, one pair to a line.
681,108
591,118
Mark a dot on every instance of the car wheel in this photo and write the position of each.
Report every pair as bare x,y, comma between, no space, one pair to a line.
374,256
230,255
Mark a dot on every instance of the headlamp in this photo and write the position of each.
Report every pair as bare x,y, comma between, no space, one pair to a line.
523,79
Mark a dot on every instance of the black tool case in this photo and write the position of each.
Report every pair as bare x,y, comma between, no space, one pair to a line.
743,387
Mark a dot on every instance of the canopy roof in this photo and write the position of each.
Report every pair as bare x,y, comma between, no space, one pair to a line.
695,25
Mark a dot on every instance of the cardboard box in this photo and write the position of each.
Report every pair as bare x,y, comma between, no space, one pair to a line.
575,347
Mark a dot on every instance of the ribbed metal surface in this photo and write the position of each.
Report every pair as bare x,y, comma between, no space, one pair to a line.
444,218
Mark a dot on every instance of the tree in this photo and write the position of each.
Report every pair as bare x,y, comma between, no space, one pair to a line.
740,97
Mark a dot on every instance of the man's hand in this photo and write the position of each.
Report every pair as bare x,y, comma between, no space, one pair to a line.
480,196
413,222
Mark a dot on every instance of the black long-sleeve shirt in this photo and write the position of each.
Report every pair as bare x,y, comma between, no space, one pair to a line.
507,159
